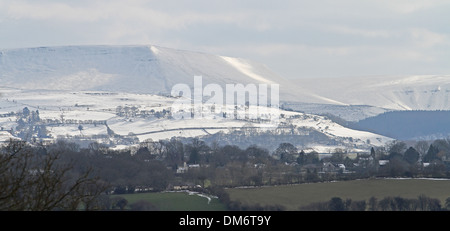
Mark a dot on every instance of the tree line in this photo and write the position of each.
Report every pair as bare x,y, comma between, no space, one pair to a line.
84,176
421,203
33,180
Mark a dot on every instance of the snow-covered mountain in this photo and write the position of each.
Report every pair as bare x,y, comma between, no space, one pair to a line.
155,70
430,92
133,69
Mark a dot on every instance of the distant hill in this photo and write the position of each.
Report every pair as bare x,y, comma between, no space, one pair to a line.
155,70
409,125
132,69
121,120
389,92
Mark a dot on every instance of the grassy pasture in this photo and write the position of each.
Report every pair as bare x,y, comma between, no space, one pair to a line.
294,196
176,201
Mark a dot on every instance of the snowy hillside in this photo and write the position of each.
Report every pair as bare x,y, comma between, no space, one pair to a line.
155,70
132,69
351,113
124,119
396,93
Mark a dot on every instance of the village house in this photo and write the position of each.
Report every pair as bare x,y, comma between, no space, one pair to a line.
331,167
186,167
182,169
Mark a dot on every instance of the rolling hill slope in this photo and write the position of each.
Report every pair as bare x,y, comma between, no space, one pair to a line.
133,69
125,119
388,92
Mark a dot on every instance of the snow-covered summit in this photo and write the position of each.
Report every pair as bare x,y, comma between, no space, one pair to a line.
132,69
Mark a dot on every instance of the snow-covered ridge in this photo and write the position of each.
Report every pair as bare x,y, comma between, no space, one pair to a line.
426,92
131,69
155,70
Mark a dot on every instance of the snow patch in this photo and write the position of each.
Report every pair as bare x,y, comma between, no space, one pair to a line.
154,50
246,68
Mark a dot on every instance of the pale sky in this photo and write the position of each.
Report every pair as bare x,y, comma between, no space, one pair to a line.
294,38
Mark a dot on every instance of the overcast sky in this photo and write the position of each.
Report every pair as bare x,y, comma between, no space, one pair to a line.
294,38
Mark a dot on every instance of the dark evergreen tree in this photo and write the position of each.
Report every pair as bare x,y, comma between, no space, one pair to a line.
301,159
398,147
286,152
411,155
431,154
336,204
372,152
194,156
26,112
312,158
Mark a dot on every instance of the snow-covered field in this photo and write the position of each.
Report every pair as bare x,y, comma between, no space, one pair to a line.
96,112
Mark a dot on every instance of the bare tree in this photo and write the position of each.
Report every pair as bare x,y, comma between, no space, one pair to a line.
422,148
40,182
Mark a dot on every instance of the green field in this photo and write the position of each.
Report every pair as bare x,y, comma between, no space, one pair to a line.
294,196
176,201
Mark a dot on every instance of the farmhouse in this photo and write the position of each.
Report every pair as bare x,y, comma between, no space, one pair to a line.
186,167
331,167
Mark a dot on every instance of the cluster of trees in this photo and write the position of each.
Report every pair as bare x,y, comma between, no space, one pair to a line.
67,170
35,180
230,166
421,203
28,122
31,127
422,160
153,165
123,171
133,111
